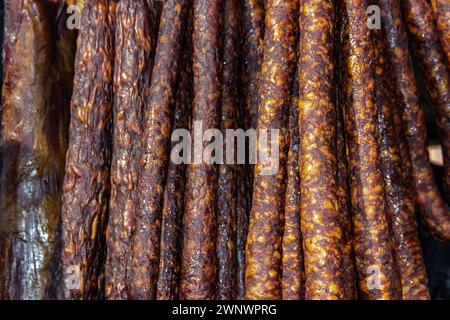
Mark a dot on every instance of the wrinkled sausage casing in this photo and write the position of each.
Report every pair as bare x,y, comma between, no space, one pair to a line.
293,275
433,209
227,175
398,198
157,124
170,259
36,94
436,72
87,180
134,51
321,219
348,263
264,241
198,267
373,247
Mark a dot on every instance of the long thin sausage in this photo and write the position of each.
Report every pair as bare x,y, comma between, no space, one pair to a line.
264,241
157,124
436,72
132,73
293,273
227,188
198,271
373,245
433,209
170,261
399,201
86,185
320,216
340,81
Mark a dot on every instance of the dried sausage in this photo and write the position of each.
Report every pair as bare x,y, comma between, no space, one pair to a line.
226,189
341,31
320,217
425,37
372,243
155,143
132,73
293,275
198,271
170,261
86,184
264,241
433,209
399,201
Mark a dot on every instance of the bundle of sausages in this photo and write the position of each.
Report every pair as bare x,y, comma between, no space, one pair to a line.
92,205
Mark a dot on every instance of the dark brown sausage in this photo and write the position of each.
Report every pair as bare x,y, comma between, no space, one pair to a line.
35,110
170,260
198,270
264,241
441,10
293,273
133,65
321,219
372,245
86,185
341,31
252,52
155,142
398,198
227,178
425,37
433,209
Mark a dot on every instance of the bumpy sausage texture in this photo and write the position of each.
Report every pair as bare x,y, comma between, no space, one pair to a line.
170,260
340,79
321,219
436,72
293,275
398,198
373,246
441,10
35,110
433,209
264,241
227,175
198,267
133,65
86,184
155,142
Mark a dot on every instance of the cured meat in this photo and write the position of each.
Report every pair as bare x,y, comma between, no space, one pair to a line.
86,184
227,175
170,260
154,157
399,201
441,10
372,242
293,275
264,241
134,53
34,141
321,219
198,271
348,264
425,37
433,209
